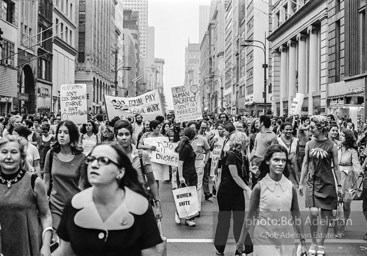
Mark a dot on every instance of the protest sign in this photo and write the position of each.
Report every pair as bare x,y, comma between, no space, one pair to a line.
160,171
165,153
217,150
186,103
149,105
297,103
73,103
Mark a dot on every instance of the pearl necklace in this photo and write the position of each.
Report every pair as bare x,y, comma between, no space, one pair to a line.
12,181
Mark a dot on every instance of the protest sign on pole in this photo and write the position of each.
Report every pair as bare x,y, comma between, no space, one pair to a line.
217,150
297,103
149,105
186,103
73,103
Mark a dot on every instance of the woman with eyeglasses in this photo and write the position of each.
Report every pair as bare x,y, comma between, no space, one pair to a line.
321,158
113,217
65,169
89,138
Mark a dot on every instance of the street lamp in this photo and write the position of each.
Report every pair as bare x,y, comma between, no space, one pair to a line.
262,46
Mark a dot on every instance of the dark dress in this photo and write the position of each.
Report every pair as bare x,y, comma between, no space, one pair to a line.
188,156
320,183
130,229
231,200
20,226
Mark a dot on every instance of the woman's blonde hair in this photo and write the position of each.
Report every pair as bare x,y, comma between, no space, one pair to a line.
13,138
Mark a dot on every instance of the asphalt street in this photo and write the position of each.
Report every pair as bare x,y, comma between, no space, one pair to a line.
183,240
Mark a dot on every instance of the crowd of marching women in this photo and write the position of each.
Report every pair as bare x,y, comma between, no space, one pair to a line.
91,189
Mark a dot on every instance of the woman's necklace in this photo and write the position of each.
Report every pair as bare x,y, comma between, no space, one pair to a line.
9,182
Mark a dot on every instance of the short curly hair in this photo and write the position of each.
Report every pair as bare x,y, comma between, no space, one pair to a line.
321,123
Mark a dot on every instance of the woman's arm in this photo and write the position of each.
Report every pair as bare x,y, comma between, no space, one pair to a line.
45,215
64,249
304,171
250,220
355,161
296,214
336,164
47,171
238,180
152,251
37,167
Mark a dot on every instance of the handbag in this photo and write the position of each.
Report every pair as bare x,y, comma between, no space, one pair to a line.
186,201
355,192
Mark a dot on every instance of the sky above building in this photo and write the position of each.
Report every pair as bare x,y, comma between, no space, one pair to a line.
176,22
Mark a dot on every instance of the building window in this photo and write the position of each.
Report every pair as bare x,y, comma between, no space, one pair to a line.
337,51
71,12
66,34
7,10
57,27
362,40
8,53
71,38
250,89
67,8
62,31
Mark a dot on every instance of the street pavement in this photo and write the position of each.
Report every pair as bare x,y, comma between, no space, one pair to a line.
183,240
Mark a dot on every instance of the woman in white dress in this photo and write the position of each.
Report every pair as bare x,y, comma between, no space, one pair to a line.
274,210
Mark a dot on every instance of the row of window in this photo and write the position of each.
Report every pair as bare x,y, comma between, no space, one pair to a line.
63,32
67,8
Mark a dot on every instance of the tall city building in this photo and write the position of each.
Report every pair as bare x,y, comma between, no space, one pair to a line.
64,51
9,23
45,57
192,64
150,46
140,6
212,59
132,78
96,44
254,25
204,15
119,62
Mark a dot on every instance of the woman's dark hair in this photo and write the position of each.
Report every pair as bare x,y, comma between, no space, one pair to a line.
74,137
153,124
122,124
253,129
160,119
28,123
283,125
83,130
229,127
23,131
350,140
189,134
264,167
219,123
227,118
163,129
130,178
197,126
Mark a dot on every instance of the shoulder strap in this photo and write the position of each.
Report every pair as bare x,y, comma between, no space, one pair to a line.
141,162
33,180
50,168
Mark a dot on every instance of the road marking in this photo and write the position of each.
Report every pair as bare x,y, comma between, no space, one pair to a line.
231,241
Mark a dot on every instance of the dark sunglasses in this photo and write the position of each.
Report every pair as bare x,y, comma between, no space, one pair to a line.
100,160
